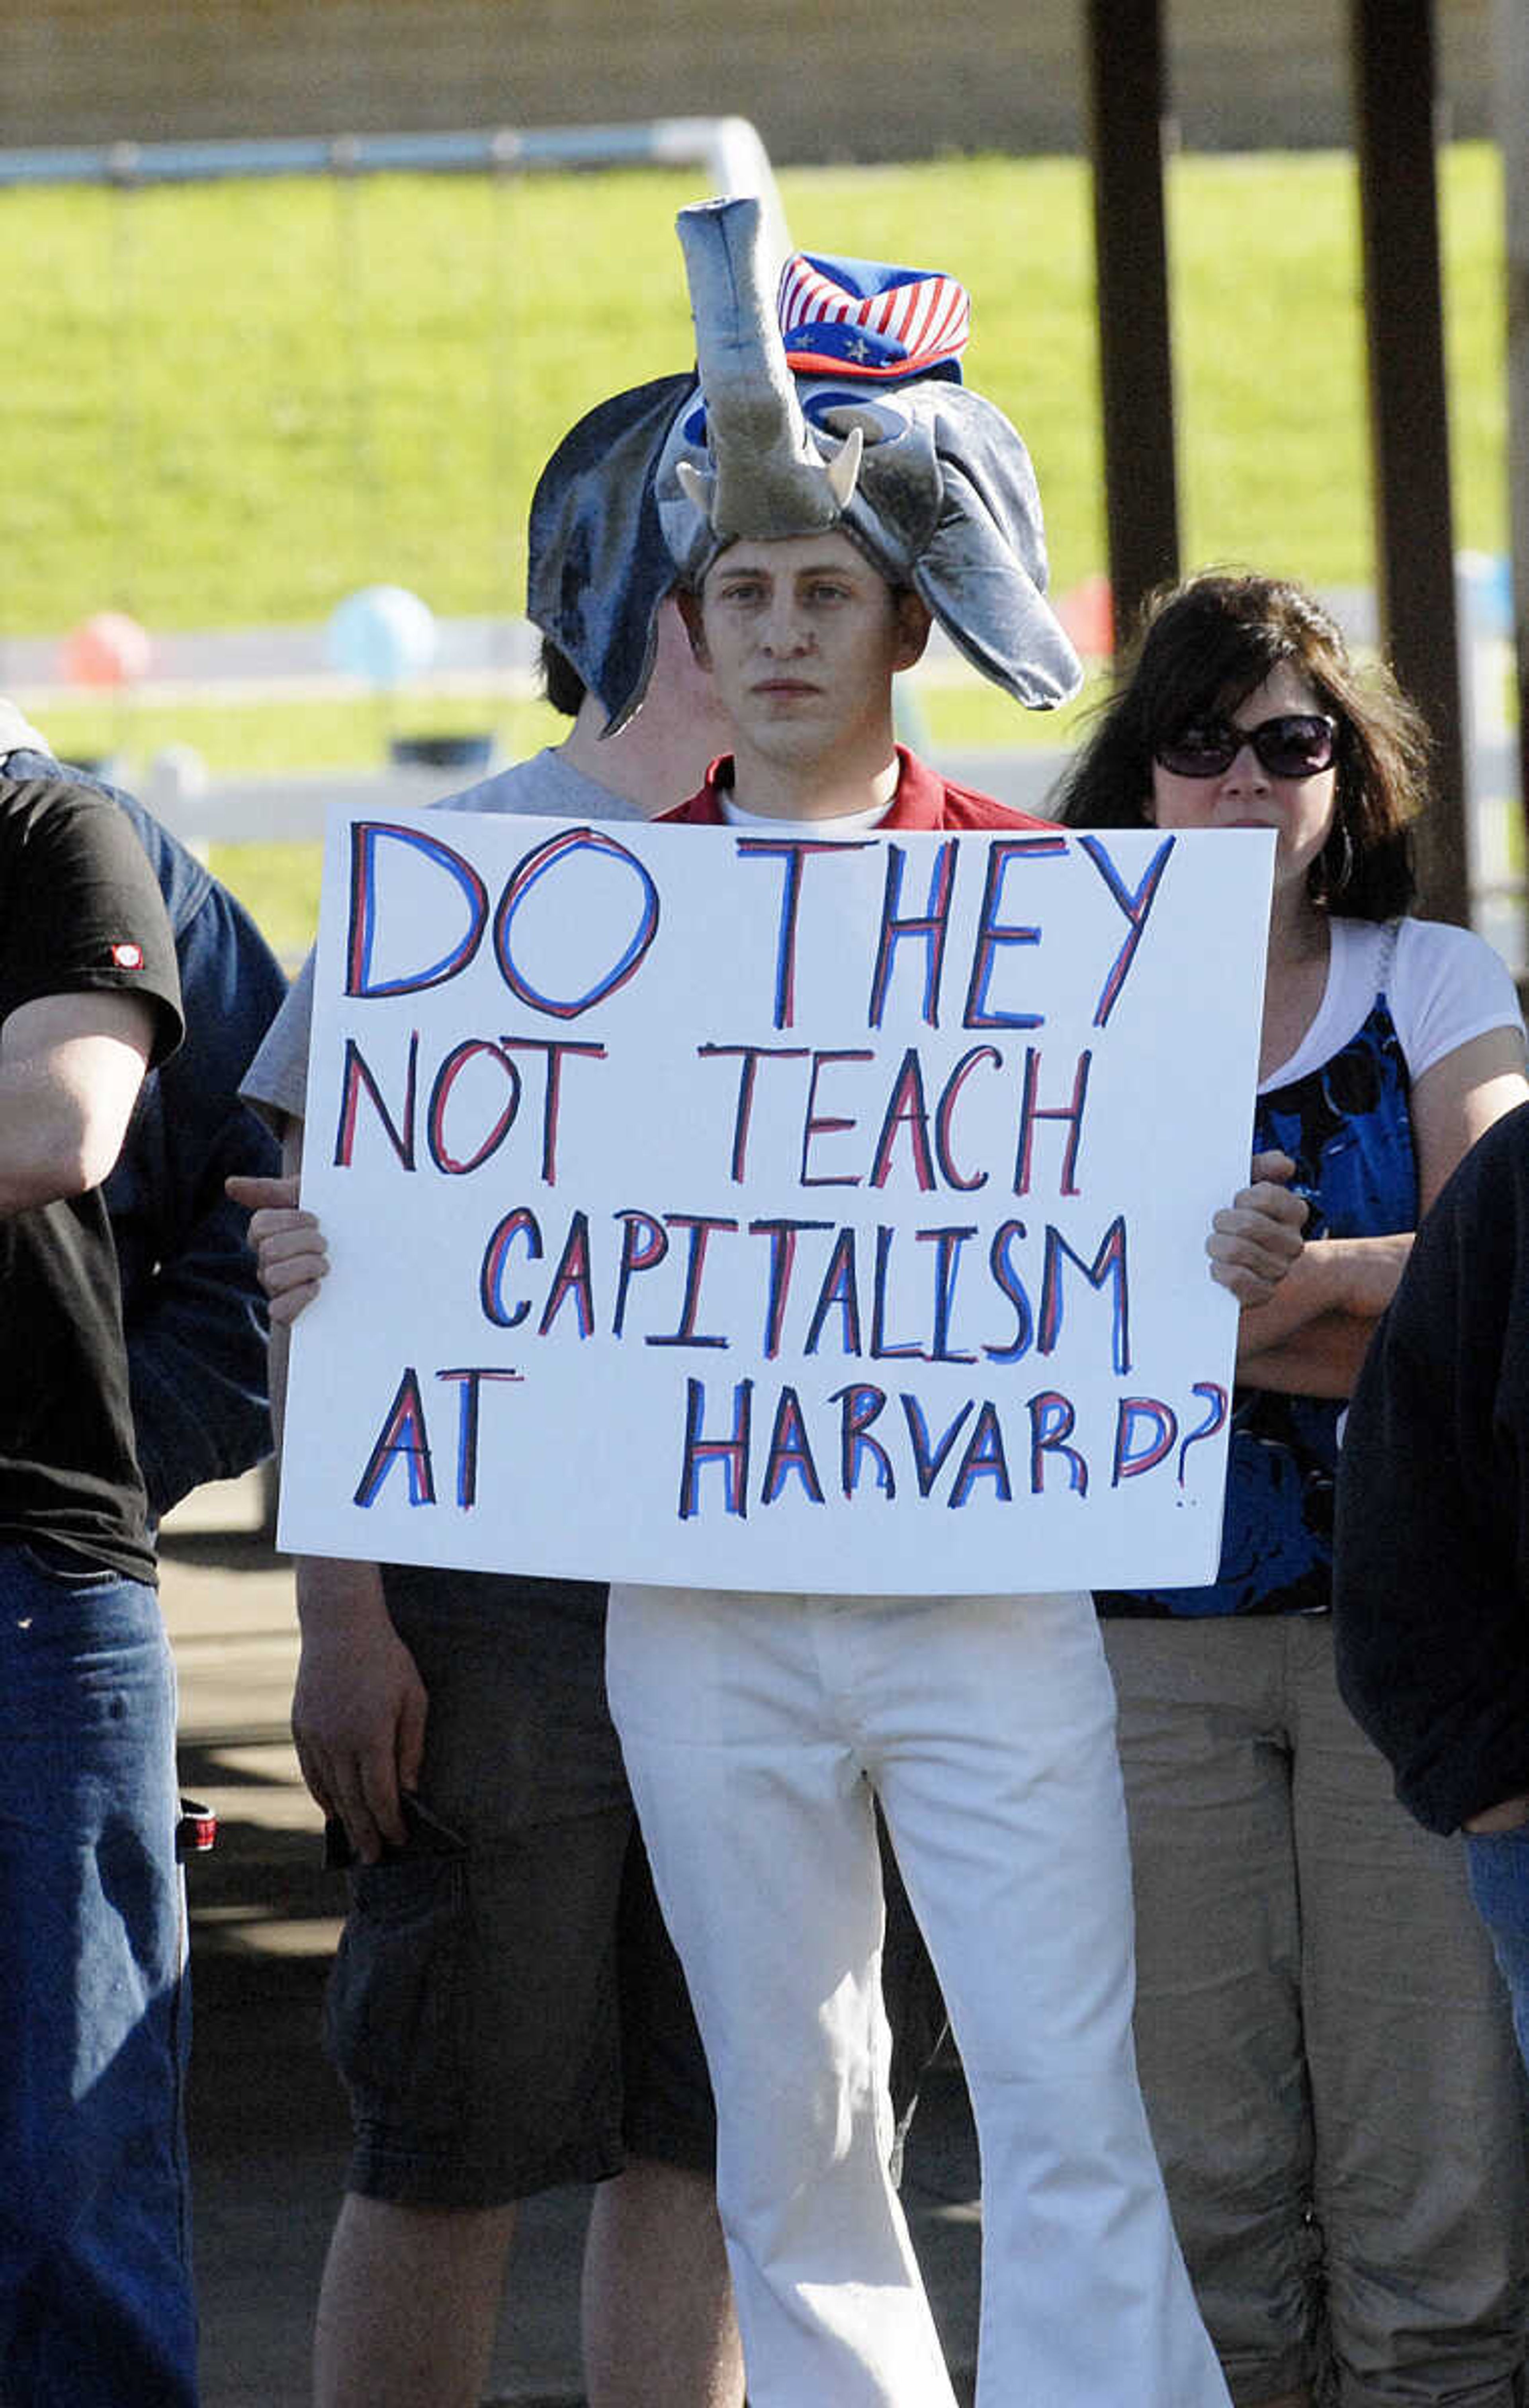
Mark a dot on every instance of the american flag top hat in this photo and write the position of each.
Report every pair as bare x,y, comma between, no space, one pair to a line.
856,318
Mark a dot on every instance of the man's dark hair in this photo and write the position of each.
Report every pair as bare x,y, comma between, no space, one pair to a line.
561,682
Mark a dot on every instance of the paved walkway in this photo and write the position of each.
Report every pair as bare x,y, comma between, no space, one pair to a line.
267,2124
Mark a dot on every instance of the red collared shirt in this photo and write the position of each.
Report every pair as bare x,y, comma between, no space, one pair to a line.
922,800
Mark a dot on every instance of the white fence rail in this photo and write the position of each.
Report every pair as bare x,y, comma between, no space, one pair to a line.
207,810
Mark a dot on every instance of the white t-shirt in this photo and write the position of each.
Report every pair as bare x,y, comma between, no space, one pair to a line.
1444,985
848,823
276,1082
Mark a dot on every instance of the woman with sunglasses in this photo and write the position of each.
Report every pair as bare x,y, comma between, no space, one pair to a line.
1324,2047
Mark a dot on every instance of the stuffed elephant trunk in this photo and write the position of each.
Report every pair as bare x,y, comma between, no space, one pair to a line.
768,476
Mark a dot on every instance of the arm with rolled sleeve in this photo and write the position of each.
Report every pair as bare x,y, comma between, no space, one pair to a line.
70,1068
88,989
1431,1589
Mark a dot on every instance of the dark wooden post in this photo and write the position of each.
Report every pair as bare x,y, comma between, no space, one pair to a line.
1511,61
1124,44
1392,45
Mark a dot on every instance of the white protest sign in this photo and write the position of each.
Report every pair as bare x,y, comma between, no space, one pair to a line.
755,1212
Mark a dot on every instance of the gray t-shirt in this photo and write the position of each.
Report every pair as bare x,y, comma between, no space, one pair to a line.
548,786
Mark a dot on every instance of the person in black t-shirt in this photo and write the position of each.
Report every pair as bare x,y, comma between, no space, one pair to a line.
96,2304
1431,1574
193,1309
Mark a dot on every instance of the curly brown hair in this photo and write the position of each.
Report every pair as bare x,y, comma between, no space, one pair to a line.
1201,646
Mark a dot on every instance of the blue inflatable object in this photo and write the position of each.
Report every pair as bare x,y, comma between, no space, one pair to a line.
383,634
1488,579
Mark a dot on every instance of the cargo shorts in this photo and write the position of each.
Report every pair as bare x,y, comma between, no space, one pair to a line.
506,2011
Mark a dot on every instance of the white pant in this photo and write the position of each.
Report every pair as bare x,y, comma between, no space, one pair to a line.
986,1728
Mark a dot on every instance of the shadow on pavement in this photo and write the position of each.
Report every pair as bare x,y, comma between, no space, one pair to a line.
269,2130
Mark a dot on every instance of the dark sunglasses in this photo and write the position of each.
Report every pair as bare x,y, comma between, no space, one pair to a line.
1297,744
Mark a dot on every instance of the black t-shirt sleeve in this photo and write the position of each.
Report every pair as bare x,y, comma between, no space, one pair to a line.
81,911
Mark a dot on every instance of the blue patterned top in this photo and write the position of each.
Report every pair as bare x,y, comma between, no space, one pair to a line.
1347,1127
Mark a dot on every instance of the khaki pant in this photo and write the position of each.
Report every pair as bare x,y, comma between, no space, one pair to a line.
1325,2046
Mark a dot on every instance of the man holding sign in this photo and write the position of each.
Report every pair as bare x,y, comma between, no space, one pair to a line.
756,1726
816,527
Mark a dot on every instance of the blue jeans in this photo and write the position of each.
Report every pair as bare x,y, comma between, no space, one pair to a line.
1499,1878
95,2290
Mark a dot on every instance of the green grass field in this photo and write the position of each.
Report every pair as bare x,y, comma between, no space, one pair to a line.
232,405
228,404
